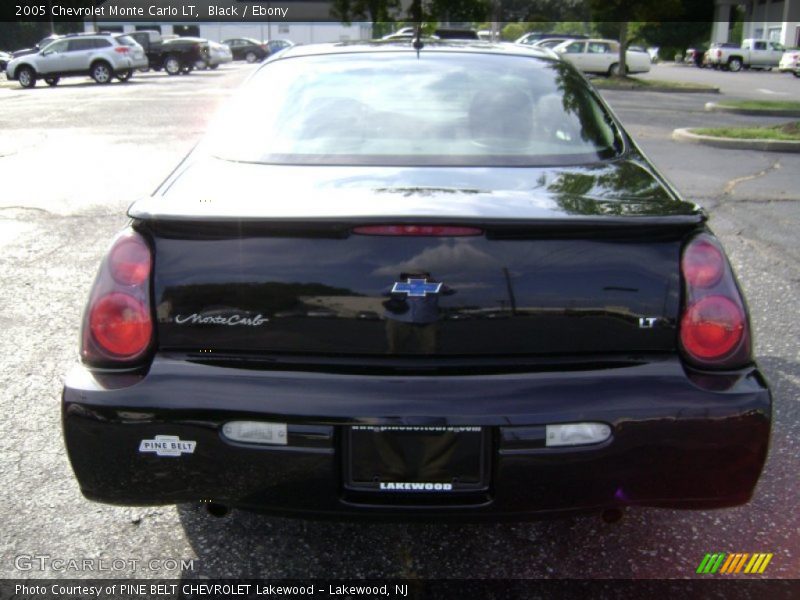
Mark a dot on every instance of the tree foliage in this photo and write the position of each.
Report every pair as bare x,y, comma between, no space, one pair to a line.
348,11
458,11
545,12
15,35
610,13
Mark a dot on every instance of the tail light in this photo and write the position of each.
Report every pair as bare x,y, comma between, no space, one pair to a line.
714,329
118,323
121,49
417,230
719,53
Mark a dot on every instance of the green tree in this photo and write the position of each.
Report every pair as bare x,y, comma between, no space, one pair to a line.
459,11
512,31
544,12
15,35
376,11
675,36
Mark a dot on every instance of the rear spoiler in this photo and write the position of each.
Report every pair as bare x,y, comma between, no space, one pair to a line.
663,227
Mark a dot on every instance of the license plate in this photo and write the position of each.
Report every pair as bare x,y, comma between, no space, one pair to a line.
403,459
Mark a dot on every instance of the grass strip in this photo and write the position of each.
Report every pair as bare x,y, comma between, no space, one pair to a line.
759,104
789,132
634,83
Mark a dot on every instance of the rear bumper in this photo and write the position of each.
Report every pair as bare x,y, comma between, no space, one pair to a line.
673,444
140,63
219,60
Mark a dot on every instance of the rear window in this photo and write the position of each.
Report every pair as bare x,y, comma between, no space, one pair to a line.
127,40
398,109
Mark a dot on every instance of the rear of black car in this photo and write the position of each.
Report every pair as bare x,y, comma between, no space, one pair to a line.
310,333
185,51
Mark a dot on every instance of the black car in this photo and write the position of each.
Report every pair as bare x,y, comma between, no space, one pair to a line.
247,49
456,34
179,55
551,327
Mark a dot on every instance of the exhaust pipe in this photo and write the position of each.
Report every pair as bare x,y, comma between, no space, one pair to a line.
217,510
612,515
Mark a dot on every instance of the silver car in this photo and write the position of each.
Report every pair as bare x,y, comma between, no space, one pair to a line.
137,54
99,56
218,54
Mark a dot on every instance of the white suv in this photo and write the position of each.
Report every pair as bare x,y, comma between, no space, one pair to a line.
100,56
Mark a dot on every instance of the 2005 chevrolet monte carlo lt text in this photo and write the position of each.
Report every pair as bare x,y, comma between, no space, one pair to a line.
396,283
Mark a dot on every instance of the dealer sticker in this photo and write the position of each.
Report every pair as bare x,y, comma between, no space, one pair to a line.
167,445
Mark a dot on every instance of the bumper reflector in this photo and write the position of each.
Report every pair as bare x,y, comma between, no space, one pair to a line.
255,432
576,434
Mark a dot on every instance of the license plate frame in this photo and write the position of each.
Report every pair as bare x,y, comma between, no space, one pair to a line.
425,459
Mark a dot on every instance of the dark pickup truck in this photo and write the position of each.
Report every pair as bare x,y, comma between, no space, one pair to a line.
175,56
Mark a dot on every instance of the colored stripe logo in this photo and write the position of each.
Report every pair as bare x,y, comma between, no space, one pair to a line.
737,562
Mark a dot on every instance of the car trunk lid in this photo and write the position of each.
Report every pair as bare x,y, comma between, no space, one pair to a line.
566,262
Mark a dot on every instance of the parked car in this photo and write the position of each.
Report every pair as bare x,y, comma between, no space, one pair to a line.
180,55
172,53
710,55
601,56
753,54
100,56
247,49
4,58
456,34
536,36
694,56
275,46
408,33
639,49
150,40
402,34
790,61
404,31
605,359
218,54
138,56
550,42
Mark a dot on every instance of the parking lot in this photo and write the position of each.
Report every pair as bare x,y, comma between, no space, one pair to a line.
72,158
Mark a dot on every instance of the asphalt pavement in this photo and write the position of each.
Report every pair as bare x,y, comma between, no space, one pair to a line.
71,160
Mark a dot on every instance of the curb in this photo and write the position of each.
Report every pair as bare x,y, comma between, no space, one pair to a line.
686,135
663,90
755,112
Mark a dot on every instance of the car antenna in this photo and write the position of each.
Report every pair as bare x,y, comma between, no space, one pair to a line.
416,9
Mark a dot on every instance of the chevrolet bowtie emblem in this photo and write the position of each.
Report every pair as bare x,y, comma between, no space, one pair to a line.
418,288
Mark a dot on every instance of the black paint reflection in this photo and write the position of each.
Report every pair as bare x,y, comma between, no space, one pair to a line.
526,296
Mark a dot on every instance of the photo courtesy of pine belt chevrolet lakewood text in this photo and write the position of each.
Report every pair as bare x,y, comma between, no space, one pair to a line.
398,282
